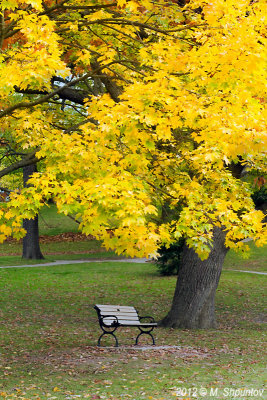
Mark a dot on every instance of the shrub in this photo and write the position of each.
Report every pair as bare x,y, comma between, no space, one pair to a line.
169,258
260,197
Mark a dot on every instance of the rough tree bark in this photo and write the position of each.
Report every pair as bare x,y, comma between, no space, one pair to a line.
193,305
31,247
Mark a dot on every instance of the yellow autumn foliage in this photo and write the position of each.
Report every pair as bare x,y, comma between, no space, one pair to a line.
191,106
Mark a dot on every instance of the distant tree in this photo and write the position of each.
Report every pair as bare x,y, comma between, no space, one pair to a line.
31,246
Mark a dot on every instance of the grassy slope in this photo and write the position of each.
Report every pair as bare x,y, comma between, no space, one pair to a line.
257,260
52,223
49,332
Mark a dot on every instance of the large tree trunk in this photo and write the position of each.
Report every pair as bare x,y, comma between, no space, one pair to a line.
193,304
31,246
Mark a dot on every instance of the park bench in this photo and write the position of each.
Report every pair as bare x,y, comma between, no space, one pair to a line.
110,317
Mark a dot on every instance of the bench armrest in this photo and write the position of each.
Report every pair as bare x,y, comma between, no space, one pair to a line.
147,317
114,323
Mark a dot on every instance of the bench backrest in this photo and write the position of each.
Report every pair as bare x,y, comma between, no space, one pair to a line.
125,315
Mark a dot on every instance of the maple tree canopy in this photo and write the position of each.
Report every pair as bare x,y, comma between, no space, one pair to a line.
141,113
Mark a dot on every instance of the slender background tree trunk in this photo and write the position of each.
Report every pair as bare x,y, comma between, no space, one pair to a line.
194,298
31,247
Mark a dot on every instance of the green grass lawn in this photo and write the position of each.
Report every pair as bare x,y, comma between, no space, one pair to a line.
10,253
257,260
49,332
52,223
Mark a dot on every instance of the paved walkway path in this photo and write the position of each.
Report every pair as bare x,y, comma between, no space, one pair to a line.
85,261
62,262
249,272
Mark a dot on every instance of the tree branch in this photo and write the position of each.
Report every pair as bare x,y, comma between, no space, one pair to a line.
93,7
43,99
3,189
29,160
113,89
48,10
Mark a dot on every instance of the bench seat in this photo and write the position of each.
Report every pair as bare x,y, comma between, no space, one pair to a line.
111,317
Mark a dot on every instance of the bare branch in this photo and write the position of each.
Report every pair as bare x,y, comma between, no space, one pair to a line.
58,6
43,99
120,21
29,160
3,189
93,7
74,219
77,126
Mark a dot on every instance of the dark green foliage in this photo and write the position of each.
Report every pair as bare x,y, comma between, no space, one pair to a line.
168,261
260,197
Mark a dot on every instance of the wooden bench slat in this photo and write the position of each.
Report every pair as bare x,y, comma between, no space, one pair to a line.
122,318
106,321
121,314
115,308
128,323
110,321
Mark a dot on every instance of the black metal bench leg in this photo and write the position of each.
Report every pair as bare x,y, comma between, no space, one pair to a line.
145,333
107,333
